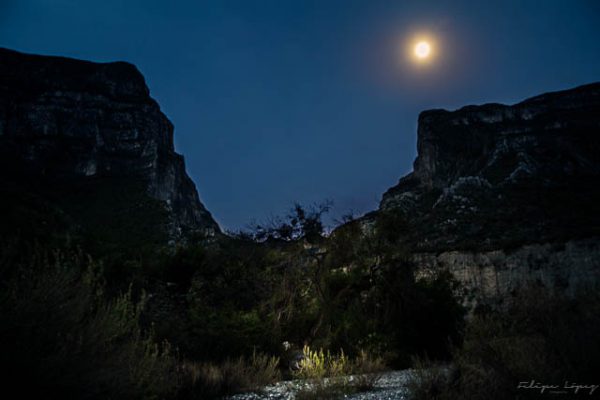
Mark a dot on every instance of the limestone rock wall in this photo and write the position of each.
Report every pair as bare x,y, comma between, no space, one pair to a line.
496,176
491,276
64,119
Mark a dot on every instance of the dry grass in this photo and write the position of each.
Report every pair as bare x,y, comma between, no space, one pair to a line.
367,370
427,380
206,380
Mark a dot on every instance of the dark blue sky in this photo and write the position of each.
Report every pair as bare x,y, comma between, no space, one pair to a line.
281,101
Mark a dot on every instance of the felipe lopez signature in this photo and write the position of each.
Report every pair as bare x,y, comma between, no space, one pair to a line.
567,388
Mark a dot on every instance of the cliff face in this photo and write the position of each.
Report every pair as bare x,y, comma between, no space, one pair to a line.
63,119
492,276
495,188
495,176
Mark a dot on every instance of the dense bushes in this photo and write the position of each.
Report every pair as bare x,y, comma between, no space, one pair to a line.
542,336
67,329
60,337
354,290
377,303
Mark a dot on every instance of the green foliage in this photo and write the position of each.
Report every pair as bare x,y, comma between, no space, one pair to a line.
354,290
318,364
331,376
113,219
120,223
219,303
390,226
541,336
226,301
29,221
60,337
377,304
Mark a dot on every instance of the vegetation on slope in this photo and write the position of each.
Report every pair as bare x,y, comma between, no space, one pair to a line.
542,338
89,313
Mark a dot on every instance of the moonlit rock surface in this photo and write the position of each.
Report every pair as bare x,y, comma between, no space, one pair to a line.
505,195
62,118
496,175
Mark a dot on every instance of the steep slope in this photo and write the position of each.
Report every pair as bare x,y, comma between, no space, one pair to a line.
69,123
496,176
502,195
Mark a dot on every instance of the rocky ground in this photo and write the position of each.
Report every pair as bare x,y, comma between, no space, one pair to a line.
391,386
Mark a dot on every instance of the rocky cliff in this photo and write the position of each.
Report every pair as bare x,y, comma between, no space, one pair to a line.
65,120
496,188
495,176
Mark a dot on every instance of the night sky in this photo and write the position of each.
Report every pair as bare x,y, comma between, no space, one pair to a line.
282,101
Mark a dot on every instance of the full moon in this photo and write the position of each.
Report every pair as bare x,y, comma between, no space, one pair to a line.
422,50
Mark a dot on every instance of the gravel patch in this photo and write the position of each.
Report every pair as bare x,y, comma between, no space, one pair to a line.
391,386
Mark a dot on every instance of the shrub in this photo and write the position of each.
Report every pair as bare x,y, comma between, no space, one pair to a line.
330,376
208,380
317,364
427,381
542,336
61,337
367,371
